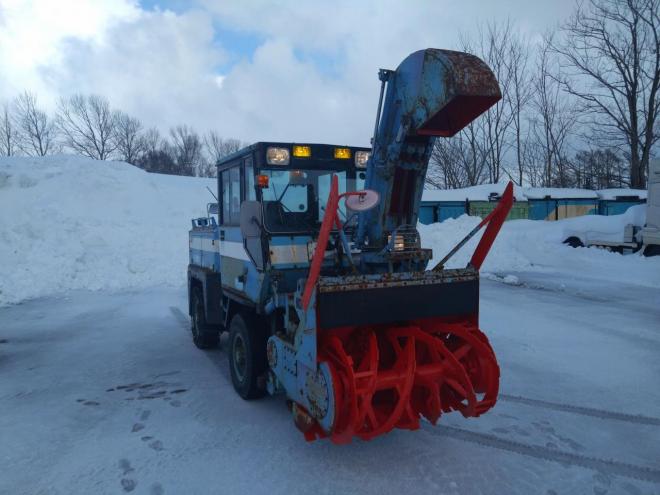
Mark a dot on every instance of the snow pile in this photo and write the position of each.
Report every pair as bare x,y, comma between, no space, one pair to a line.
73,223
537,246
68,222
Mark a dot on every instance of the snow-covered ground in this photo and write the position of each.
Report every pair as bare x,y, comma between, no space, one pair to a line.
102,391
537,247
105,393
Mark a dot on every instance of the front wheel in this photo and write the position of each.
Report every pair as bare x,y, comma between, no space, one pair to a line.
247,355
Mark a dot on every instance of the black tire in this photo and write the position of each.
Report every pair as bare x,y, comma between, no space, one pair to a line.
574,242
652,250
247,355
205,336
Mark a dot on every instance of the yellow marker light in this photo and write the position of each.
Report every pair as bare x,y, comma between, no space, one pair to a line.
343,153
302,151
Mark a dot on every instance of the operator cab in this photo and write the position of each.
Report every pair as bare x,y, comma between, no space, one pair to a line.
291,181
281,190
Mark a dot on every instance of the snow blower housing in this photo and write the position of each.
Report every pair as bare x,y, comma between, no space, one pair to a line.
316,269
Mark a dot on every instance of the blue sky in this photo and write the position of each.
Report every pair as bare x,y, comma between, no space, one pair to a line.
253,70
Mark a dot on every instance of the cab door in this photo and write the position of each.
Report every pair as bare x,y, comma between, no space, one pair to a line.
236,186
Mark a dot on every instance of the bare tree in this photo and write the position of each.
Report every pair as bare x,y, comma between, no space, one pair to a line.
555,116
519,95
598,169
458,161
446,170
36,131
8,135
129,139
187,149
88,125
613,50
152,139
217,147
493,45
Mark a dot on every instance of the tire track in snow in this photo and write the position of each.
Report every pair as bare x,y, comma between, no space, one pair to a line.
585,411
211,354
180,317
608,466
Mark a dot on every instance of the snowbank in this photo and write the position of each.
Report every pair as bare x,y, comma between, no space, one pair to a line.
74,223
537,246
69,222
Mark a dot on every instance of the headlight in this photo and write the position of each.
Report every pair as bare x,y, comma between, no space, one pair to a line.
277,156
399,243
361,158
406,238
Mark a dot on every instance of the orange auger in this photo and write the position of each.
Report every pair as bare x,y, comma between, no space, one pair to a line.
391,375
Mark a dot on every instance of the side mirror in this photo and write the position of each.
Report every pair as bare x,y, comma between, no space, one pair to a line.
361,200
251,219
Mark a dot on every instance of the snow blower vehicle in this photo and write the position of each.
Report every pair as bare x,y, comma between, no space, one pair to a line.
315,268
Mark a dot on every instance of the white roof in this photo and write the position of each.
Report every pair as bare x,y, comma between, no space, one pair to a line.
474,193
614,193
483,192
559,193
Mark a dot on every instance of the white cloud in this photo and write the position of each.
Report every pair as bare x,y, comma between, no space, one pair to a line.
168,68
33,34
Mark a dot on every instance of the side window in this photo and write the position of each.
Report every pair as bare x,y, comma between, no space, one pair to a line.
250,193
226,195
231,196
235,207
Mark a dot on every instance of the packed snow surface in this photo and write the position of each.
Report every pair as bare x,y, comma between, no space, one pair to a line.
69,223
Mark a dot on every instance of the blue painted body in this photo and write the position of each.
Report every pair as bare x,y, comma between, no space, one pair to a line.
432,212
616,206
432,93
538,209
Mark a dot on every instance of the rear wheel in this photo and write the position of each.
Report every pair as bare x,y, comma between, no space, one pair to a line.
652,250
205,336
574,242
247,355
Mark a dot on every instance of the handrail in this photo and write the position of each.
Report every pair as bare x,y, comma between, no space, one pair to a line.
494,219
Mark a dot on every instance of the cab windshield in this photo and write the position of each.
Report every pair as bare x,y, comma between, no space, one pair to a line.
295,200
